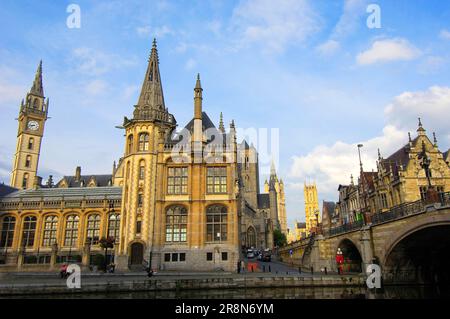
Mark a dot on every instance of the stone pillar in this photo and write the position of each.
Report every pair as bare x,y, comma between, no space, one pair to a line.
53,256
366,248
20,258
86,255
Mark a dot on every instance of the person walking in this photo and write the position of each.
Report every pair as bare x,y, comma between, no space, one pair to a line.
63,271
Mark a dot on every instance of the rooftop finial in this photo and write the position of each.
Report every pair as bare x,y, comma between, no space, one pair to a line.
421,130
409,137
379,154
420,122
434,139
154,43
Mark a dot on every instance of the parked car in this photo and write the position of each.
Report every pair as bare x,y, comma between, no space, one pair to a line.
250,254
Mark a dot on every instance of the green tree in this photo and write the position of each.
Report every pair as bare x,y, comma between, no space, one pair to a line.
279,238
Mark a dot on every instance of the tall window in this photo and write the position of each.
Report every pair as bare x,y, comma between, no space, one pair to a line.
177,180
440,190
143,142
93,229
31,143
140,199
130,143
141,170
50,229
216,223
28,161
71,235
114,226
423,192
384,203
29,231
176,224
25,180
216,180
7,234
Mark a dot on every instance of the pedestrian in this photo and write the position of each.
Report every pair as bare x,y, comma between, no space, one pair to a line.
242,266
238,267
63,271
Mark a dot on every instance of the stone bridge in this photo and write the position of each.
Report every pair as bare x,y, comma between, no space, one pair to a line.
411,243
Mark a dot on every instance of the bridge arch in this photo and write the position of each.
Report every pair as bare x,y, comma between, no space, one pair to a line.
352,255
419,252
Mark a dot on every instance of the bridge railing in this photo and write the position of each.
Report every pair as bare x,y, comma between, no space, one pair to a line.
394,213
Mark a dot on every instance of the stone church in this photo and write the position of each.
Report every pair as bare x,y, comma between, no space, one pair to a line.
184,199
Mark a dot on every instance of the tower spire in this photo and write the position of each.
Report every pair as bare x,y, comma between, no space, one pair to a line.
37,88
151,97
221,126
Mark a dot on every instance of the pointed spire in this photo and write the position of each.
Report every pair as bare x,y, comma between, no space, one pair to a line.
409,137
221,126
273,171
37,87
198,97
379,154
198,85
151,96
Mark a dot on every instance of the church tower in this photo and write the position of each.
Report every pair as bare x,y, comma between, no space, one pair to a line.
145,134
32,116
311,206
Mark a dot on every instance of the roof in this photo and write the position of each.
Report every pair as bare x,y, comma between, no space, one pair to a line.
368,179
100,180
263,201
5,190
207,124
300,225
59,193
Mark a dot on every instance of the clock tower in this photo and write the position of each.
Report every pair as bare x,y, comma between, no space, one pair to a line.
32,117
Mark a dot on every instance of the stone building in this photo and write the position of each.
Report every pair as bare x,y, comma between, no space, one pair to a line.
406,176
312,215
184,199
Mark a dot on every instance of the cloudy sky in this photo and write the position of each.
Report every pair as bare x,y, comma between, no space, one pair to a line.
312,69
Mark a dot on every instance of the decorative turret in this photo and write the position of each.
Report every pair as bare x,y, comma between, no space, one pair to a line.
421,131
221,126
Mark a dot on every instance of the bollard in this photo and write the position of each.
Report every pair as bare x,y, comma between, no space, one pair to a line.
312,270
299,270
270,269
326,271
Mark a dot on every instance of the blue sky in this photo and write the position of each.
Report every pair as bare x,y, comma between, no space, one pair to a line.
312,69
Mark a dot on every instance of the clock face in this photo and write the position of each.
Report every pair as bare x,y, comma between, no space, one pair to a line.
33,125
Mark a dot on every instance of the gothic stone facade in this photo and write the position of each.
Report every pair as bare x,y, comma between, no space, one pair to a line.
186,200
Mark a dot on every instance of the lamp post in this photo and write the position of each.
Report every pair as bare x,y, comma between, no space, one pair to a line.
316,213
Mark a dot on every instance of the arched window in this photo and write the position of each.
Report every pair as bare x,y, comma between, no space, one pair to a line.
35,104
142,170
25,180
93,229
216,223
143,142
29,231
176,224
71,234
28,161
130,143
50,229
114,226
7,234
31,143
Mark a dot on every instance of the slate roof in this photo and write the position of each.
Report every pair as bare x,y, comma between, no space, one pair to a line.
5,190
72,193
263,201
207,124
101,180
369,178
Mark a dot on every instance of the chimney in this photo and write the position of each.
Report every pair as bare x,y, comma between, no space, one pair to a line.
78,174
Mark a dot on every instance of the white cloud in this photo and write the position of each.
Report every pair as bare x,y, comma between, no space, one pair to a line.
328,48
96,87
95,62
445,34
388,50
332,165
190,64
130,91
158,32
350,18
432,64
10,92
431,105
274,24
